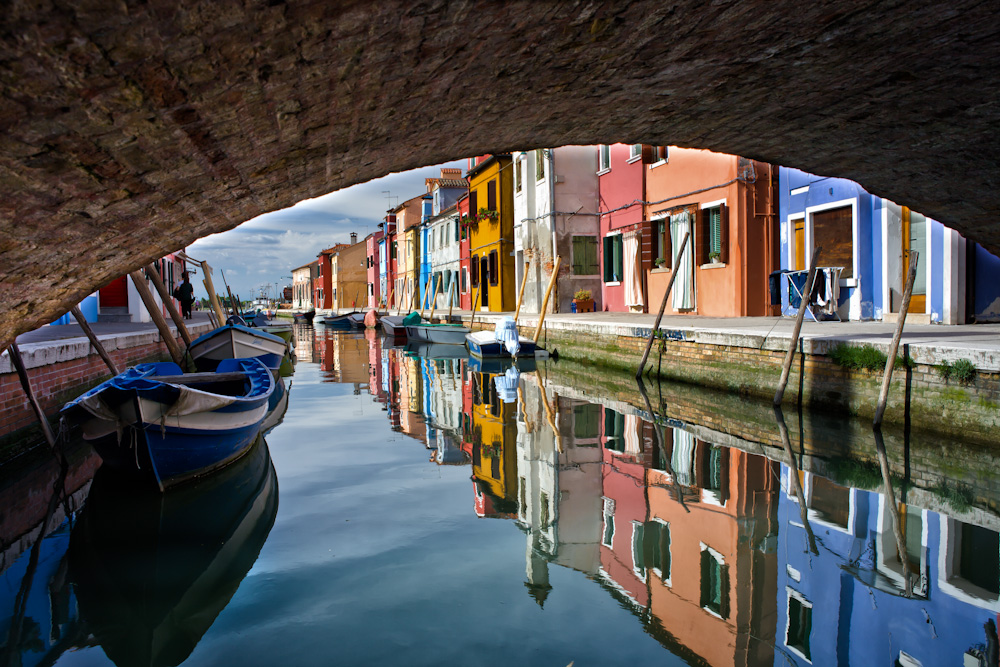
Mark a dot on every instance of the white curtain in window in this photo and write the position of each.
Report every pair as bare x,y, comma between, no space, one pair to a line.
682,297
632,442
682,460
632,277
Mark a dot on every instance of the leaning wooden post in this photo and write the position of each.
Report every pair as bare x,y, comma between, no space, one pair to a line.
451,298
793,478
790,355
154,312
663,305
520,293
82,321
22,374
213,298
545,301
168,301
890,498
423,299
437,290
475,302
883,395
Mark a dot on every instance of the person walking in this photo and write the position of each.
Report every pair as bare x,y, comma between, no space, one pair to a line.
185,294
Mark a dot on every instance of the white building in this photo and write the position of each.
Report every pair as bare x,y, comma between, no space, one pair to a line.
555,213
444,248
302,284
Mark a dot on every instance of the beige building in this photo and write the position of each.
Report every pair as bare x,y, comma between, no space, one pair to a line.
348,275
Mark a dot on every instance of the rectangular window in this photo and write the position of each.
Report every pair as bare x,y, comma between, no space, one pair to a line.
799,625
661,243
585,256
518,175
473,202
714,583
614,430
833,231
491,195
613,258
634,151
713,234
608,535
539,164
656,548
456,226
475,270
586,420
604,157
494,270
830,501
465,280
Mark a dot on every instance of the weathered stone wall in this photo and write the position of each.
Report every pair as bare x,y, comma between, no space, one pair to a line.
129,129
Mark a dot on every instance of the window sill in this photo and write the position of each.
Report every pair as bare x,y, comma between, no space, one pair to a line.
658,163
615,284
660,270
848,282
601,172
713,265
633,159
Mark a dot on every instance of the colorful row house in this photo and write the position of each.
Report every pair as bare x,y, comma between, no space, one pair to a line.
373,243
303,279
866,243
491,232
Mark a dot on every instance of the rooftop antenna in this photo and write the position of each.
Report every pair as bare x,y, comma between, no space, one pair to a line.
389,196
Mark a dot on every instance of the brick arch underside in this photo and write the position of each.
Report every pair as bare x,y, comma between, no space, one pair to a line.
129,129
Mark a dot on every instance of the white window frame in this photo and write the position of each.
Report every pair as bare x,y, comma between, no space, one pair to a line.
602,166
948,580
721,560
854,312
609,510
790,226
704,207
663,160
632,154
792,593
887,540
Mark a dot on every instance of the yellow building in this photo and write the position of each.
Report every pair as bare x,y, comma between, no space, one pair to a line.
494,442
407,283
491,234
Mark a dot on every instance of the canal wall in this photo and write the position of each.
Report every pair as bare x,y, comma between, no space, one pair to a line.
749,364
954,476
61,370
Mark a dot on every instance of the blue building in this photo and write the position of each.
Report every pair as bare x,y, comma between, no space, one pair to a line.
845,604
866,242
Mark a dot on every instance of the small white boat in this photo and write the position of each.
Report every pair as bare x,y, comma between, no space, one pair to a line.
235,341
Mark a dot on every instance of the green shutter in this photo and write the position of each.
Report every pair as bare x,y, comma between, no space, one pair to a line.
715,230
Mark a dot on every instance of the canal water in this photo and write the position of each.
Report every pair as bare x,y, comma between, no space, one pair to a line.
411,507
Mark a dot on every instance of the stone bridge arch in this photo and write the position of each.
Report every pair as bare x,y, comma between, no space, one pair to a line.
130,129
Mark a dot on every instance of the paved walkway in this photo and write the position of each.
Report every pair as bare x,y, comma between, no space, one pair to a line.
929,343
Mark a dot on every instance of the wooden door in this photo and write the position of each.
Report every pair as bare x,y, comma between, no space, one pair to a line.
915,238
800,244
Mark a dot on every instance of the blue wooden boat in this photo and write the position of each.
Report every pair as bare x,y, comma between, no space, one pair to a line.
153,421
235,341
335,321
504,342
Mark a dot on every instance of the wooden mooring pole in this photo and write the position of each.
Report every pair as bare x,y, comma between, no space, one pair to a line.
154,312
22,374
475,302
883,395
793,478
82,321
545,301
663,307
890,498
213,298
168,301
520,293
786,367
434,299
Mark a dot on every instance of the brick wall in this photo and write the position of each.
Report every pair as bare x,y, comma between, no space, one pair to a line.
56,383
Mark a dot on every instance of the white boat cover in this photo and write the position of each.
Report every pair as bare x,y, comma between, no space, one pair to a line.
189,402
506,384
506,333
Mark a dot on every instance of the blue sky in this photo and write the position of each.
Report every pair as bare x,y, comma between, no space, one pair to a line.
264,250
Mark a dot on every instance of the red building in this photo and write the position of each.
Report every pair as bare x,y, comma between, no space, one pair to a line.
464,286
622,187
323,284
375,293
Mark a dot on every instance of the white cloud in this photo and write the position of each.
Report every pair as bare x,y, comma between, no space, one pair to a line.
264,250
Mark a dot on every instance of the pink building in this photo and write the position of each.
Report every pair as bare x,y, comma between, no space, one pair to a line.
622,187
372,242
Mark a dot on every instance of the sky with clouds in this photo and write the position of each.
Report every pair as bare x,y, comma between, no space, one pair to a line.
264,250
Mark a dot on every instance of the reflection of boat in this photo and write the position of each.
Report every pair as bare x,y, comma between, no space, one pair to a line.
153,571
487,344
304,318
501,364
156,421
435,350
276,407
448,334
235,341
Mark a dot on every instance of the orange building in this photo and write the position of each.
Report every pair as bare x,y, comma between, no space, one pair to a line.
710,564
729,206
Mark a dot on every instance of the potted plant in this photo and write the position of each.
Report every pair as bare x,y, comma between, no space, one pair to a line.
660,262
713,257
583,301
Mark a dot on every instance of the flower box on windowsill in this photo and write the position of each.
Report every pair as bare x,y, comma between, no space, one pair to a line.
584,305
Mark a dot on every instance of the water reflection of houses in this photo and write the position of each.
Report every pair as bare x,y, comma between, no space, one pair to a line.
494,448
411,386
343,358
850,600
444,409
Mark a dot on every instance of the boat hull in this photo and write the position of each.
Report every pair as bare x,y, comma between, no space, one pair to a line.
237,342
484,344
448,334
393,326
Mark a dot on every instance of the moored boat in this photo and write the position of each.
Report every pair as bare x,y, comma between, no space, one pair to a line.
155,421
357,320
235,341
304,318
393,326
342,321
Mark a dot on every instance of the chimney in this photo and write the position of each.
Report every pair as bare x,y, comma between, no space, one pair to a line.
354,238
451,173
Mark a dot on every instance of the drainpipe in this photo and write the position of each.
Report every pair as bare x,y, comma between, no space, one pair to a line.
552,205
